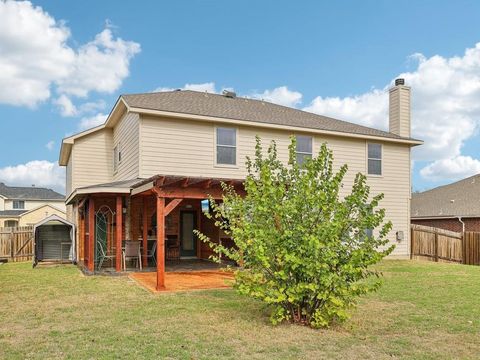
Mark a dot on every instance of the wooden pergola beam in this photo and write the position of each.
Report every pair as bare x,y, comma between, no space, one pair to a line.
91,235
160,181
160,243
144,232
172,205
118,233
205,184
193,193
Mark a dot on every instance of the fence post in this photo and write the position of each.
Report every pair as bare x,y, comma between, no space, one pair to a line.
464,248
12,242
436,246
412,232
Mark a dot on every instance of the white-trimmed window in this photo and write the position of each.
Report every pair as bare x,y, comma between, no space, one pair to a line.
10,223
18,204
117,157
374,154
304,148
226,146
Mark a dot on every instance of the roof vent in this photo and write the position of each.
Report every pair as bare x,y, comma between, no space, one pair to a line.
399,81
229,94
452,201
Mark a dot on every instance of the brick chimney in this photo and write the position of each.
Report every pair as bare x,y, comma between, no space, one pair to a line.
399,109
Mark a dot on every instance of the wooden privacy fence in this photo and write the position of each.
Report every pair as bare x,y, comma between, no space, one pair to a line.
442,245
16,243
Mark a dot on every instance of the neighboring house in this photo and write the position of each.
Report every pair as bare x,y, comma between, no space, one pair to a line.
22,206
159,154
454,207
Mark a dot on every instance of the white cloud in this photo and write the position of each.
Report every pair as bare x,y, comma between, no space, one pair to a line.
35,57
41,173
369,109
68,109
34,53
280,95
445,106
92,106
90,122
65,105
100,65
208,87
456,168
50,145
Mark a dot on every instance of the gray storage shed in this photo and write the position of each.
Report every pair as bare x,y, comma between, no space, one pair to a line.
54,240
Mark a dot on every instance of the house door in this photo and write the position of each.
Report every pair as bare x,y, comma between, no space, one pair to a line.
188,240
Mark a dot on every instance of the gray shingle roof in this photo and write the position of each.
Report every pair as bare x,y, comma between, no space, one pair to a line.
127,184
30,193
12,212
239,108
461,198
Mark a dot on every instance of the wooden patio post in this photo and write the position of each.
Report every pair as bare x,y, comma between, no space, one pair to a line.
160,243
145,234
118,234
91,234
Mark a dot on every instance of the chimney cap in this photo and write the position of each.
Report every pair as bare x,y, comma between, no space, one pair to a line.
399,81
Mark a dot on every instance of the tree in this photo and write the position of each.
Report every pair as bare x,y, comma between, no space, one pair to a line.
303,248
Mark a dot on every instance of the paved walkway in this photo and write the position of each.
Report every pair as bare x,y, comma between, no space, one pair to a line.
185,281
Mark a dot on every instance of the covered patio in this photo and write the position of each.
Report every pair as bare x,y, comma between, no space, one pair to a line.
157,215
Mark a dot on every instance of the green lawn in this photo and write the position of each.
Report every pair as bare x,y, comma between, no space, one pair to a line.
423,311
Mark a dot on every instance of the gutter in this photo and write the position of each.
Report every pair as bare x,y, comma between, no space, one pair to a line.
463,224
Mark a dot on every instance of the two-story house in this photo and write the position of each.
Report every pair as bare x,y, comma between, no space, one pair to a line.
22,206
144,173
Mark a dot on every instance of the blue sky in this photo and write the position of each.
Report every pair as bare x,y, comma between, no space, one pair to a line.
335,58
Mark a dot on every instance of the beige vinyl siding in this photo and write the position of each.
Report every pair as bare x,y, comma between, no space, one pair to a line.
126,136
178,147
92,159
68,175
39,214
395,184
33,204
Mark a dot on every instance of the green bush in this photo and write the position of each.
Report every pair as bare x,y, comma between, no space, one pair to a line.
303,248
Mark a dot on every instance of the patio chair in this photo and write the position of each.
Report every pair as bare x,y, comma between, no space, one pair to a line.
172,249
102,255
152,253
132,252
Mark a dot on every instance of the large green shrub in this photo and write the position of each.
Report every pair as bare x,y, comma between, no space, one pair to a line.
303,248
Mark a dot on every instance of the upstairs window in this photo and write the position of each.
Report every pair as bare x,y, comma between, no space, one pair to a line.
304,148
374,159
226,146
18,204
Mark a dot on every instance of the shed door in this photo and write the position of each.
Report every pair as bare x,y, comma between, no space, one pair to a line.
55,242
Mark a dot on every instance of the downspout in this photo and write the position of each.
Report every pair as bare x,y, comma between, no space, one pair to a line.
463,224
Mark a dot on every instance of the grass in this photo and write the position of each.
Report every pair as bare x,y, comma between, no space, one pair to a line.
423,311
